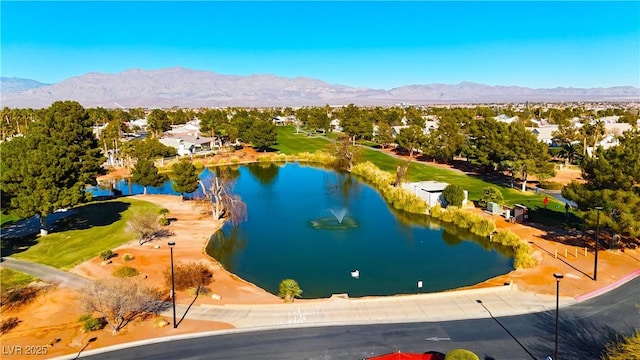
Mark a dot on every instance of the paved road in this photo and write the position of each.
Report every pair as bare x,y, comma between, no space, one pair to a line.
46,273
584,328
501,322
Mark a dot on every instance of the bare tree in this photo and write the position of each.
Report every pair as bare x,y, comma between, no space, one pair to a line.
401,172
223,203
145,226
345,154
120,301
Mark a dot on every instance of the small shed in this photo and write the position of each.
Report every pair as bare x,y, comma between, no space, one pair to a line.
431,192
520,213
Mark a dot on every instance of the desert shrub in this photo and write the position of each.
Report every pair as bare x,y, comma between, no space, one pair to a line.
624,348
163,221
121,301
550,185
192,275
125,271
145,226
461,354
289,289
127,257
90,323
453,195
490,194
107,254
9,324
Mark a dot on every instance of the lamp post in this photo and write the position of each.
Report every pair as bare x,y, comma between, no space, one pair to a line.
558,277
595,262
173,284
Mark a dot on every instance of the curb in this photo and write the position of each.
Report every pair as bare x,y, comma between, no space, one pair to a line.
609,287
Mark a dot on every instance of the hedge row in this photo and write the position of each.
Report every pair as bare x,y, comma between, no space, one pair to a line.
475,223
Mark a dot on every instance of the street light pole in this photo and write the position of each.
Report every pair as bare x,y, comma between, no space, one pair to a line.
558,277
173,284
595,263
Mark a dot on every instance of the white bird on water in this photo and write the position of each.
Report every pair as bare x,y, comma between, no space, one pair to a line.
355,274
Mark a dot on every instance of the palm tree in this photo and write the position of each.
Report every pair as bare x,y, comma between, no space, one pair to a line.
289,289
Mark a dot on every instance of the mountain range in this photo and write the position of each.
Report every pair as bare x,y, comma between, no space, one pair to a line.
188,88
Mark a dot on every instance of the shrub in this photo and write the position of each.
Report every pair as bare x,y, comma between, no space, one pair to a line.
192,275
461,354
125,271
145,226
506,238
90,323
453,195
106,255
523,256
623,349
483,227
289,289
436,211
522,251
127,257
163,221
490,194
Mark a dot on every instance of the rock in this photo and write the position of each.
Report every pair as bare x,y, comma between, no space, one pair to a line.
160,323
216,297
156,246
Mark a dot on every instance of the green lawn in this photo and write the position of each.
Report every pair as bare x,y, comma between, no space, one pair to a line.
96,227
291,143
7,219
11,279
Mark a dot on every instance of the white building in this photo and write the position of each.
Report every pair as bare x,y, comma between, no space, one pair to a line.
431,192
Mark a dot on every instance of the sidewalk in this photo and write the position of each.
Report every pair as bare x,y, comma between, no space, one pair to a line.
452,305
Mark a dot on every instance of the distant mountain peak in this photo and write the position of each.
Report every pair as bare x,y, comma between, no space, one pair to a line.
14,84
179,86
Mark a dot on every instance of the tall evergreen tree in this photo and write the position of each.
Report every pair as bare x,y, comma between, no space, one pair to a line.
50,166
146,174
184,176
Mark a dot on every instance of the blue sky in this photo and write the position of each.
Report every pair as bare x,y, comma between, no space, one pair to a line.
367,44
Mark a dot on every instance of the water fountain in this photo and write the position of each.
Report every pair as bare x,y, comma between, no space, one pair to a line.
339,221
339,214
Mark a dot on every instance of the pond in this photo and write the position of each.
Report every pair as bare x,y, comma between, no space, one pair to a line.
318,227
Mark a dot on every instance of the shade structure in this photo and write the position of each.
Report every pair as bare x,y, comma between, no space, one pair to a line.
431,355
